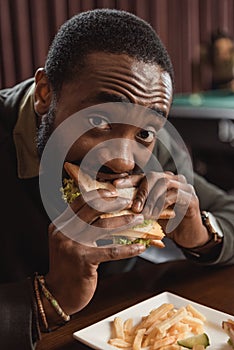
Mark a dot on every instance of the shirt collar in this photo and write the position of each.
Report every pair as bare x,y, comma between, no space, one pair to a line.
25,134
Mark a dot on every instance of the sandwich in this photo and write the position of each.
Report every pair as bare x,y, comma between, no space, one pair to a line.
148,233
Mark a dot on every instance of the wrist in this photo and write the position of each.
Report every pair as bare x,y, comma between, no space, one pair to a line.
51,315
53,318
212,247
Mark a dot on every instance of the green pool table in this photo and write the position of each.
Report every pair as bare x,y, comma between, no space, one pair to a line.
206,123
209,104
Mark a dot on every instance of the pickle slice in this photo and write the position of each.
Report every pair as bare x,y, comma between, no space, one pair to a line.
200,339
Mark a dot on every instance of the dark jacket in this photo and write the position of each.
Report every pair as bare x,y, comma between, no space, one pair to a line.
24,245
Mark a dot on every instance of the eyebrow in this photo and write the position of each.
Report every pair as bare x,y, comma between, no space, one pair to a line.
107,97
103,97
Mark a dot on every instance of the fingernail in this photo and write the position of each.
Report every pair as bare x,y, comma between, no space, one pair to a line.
139,219
137,205
112,193
120,181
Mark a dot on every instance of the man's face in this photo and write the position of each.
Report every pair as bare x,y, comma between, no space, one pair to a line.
144,94
224,50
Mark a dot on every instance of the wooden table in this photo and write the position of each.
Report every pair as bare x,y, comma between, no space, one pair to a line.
210,286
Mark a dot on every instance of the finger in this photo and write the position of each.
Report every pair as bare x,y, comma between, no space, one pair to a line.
97,255
179,177
118,252
92,210
169,173
166,194
102,229
181,197
86,197
145,187
80,221
156,199
128,181
79,202
120,222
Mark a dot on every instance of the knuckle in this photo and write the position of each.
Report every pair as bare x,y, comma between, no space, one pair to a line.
128,219
114,253
153,176
191,189
166,181
102,223
133,249
182,178
168,202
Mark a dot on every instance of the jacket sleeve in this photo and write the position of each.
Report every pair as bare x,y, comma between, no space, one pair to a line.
173,157
18,328
221,205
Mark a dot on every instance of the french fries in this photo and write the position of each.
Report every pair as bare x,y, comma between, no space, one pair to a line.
159,330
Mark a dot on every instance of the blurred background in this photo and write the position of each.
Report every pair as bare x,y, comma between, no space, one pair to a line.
28,26
203,108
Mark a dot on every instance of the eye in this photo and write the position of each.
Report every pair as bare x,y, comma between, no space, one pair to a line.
146,136
99,122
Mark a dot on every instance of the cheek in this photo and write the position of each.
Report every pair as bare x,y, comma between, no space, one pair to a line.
80,148
143,155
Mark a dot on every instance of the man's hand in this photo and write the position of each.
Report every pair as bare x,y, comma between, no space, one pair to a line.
72,276
158,191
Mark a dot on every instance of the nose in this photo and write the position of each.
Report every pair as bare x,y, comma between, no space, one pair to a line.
118,155
120,165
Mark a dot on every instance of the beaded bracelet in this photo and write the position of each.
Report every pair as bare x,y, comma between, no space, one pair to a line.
40,306
51,299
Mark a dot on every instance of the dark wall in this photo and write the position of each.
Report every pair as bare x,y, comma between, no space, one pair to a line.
28,26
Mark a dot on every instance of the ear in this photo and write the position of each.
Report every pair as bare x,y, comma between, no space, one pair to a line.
43,92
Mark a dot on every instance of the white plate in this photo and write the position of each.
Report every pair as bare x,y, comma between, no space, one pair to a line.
97,335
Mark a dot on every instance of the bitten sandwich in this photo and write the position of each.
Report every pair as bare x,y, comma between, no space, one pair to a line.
148,233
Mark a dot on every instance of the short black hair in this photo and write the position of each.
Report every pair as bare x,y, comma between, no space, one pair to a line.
102,30
219,34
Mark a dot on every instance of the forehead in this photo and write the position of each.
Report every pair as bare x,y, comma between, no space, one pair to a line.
138,82
103,60
122,66
223,43
107,77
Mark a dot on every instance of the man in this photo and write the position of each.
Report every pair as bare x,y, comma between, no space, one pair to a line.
97,58
217,58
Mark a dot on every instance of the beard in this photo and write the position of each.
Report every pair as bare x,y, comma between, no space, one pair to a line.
45,129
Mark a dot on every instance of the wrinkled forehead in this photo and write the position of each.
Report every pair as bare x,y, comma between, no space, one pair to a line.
103,63
120,78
